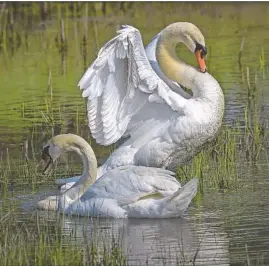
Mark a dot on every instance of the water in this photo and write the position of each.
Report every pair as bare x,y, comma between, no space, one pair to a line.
42,58
167,241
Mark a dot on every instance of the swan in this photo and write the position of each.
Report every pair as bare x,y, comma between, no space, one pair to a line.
134,94
128,191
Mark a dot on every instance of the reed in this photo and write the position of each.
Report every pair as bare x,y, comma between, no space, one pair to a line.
47,244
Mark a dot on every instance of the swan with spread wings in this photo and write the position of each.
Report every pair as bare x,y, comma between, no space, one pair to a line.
136,93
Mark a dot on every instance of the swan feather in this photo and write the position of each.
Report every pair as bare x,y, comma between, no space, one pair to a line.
124,52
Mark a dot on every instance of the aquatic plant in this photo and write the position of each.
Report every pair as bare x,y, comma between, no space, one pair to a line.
47,244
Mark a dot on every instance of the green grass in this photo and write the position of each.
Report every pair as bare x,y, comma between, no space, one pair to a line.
46,243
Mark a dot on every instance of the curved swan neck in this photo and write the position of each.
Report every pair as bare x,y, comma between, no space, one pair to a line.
84,150
168,61
174,68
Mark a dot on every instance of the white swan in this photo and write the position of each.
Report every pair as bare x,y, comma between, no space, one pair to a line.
134,92
129,191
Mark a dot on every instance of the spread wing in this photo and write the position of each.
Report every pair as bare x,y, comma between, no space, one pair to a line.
123,90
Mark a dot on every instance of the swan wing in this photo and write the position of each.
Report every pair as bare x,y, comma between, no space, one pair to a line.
130,184
123,90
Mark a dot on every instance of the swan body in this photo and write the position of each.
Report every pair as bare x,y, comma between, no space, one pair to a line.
127,191
134,93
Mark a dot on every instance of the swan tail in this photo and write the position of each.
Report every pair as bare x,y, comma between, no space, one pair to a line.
176,204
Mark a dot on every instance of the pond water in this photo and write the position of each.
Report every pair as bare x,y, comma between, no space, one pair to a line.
43,54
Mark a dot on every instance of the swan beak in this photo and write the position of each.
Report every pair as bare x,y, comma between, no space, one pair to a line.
46,161
200,60
47,165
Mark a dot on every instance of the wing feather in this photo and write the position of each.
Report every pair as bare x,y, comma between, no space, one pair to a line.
118,84
128,184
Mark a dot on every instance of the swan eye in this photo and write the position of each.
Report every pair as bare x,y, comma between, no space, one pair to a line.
204,52
200,47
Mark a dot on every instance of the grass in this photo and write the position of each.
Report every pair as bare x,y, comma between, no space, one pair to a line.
215,166
48,244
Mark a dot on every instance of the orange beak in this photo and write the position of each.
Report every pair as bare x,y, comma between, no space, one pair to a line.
200,60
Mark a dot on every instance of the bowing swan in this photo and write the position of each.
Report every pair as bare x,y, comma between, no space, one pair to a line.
128,191
134,94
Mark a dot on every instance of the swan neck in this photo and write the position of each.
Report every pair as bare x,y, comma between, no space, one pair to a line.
89,175
203,85
168,61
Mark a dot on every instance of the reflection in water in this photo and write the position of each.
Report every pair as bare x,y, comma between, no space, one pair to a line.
157,241
227,229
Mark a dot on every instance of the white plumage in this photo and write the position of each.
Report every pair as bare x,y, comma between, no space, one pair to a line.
119,193
127,191
135,93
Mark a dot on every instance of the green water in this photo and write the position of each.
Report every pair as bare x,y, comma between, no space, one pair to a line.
44,50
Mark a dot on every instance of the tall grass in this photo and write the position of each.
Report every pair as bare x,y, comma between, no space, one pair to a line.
46,243
216,165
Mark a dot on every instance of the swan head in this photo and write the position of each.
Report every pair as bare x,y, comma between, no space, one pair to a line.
191,36
59,145
195,41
